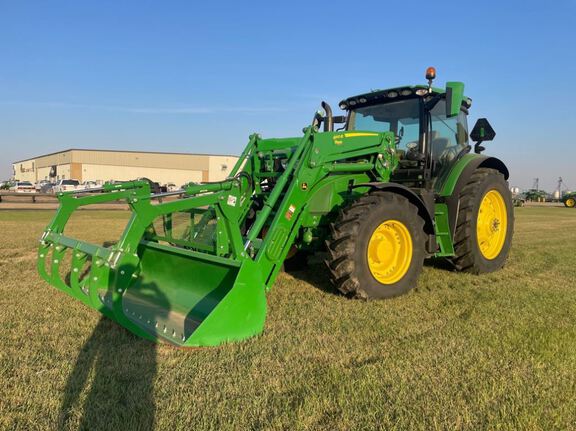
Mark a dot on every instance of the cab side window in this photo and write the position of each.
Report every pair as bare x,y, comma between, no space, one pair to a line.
448,136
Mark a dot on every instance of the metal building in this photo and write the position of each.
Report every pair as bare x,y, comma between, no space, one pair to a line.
106,165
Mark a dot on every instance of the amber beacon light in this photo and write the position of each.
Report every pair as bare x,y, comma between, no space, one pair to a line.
430,76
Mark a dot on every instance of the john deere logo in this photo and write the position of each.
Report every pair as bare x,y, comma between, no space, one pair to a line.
338,139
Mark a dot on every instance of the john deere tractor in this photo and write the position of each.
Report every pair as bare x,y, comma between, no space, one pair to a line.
569,200
397,182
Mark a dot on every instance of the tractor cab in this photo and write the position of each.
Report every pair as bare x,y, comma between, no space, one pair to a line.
429,124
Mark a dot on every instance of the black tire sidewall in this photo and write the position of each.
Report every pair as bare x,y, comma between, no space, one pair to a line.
372,287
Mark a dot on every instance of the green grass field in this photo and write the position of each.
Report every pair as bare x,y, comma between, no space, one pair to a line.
459,352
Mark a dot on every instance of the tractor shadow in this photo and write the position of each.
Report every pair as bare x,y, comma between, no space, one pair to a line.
111,384
316,273
439,263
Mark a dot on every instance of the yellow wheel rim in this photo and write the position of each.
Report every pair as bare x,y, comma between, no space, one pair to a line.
492,225
389,252
570,202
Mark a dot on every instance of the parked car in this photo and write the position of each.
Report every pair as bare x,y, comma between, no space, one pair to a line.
23,187
87,185
171,187
66,186
39,184
47,188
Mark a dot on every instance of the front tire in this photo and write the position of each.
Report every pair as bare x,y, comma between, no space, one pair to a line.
570,202
377,248
485,223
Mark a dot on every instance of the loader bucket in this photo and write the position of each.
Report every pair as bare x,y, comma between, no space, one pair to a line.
192,300
175,295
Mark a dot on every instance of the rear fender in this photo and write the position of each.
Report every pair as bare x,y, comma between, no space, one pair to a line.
458,177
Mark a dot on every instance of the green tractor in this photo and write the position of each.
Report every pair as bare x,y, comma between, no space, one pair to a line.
569,200
396,183
534,195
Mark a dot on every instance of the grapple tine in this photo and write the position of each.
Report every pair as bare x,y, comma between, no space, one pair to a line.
43,256
98,285
78,261
58,254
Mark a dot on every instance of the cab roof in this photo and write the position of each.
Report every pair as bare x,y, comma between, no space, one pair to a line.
393,95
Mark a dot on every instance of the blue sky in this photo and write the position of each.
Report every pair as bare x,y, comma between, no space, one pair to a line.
200,77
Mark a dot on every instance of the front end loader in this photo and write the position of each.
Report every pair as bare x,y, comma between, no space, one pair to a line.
397,183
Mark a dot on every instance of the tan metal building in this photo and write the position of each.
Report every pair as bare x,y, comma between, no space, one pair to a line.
106,165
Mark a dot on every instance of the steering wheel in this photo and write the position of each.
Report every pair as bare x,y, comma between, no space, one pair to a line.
449,154
411,150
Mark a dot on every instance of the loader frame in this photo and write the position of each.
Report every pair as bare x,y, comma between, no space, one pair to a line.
320,173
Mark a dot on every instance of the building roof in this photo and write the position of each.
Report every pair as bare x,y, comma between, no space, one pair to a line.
122,151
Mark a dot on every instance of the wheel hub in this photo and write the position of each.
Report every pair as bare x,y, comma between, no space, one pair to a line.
491,224
389,252
495,225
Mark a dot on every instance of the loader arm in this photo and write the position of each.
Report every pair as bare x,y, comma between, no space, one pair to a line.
205,284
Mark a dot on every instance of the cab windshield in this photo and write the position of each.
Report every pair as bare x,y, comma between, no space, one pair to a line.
401,117
448,136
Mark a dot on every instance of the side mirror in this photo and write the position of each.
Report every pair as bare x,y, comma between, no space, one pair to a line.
482,131
454,98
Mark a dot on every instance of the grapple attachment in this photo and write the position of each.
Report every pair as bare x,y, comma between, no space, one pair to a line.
151,285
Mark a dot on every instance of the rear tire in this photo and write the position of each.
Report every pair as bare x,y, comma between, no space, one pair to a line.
377,248
481,245
570,202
